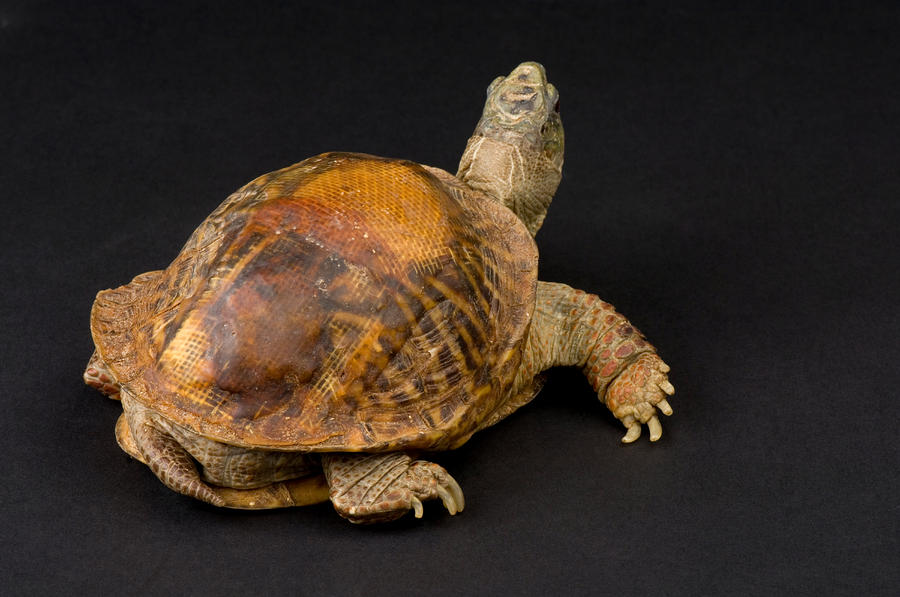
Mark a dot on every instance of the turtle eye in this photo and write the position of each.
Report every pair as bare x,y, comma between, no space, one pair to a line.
556,107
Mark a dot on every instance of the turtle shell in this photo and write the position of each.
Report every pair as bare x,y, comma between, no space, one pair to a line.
346,303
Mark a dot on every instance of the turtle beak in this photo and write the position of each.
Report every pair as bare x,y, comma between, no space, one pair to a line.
523,90
529,73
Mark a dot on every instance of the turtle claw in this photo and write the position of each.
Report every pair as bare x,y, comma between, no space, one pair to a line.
417,506
634,432
445,496
451,495
664,407
458,496
655,428
445,487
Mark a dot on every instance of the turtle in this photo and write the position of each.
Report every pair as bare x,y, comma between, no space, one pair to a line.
333,321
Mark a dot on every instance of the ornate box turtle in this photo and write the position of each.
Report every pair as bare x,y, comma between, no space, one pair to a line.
332,319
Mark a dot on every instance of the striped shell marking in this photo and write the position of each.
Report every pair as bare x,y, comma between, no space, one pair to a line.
344,303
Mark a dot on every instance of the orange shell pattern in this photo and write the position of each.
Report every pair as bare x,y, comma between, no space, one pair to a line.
344,303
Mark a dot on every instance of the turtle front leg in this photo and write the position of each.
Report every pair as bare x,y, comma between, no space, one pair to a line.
98,376
368,488
571,327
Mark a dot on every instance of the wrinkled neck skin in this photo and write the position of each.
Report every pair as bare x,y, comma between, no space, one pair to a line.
519,177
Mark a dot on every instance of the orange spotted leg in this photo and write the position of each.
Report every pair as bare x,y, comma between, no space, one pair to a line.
574,328
98,376
367,488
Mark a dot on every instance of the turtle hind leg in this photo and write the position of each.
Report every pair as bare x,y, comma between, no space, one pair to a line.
167,459
304,491
98,376
367,488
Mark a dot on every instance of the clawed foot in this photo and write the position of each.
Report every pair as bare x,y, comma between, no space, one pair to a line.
383,487
636,394
425,481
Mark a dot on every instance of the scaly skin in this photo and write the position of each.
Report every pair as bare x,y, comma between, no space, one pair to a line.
168,459
98,376
574,328
369,488
301,491
515,155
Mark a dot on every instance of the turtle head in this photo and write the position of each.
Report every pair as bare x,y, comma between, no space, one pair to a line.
522,109
515,154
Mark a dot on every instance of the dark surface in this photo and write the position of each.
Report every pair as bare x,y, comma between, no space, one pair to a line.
732,185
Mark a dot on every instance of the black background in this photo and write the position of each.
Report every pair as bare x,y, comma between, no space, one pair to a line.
732,184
